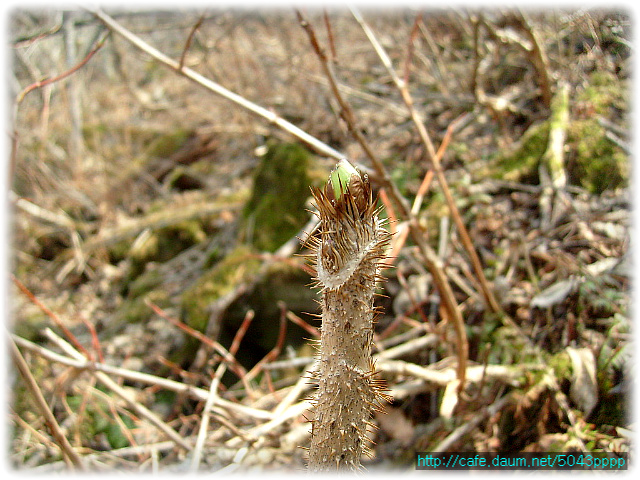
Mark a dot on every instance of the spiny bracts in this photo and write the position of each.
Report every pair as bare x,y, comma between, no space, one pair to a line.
349,253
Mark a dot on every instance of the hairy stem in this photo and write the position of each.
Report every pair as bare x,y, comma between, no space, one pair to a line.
348,257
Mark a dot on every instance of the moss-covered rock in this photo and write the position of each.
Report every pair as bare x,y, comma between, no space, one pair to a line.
276,210
237,267
597,163
168,143
593,161
165,243
520,164
282,282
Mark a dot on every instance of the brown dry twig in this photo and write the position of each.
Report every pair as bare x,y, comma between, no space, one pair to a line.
165,383
434,159
135,406
227,356
63,75
216,88
275,351
52,316
349,116
187,44
70,455
433,263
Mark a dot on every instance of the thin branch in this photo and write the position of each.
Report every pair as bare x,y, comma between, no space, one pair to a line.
330,38
275,351
431,260
187,45
469,426
193,392
204,423
302,324
539,57
213,392
137,408
411,46
52,316
487,294
349,116
229,358
240,333
475,373
217,88
70,455
62,76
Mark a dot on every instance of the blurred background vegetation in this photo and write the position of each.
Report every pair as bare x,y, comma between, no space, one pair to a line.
143,205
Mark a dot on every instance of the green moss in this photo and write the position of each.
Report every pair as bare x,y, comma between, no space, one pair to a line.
135,310
508,347
166,243
31,324
593,161
605,92
597,163
561,365
168,143
521,163
235,268
283,282
276,210
160,246
97,420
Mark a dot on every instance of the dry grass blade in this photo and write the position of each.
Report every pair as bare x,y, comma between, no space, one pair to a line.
213,392
178,387
137,408
468,426
434,158
216,88
70,455
433,263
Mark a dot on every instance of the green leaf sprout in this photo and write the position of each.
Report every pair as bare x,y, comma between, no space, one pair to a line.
341,176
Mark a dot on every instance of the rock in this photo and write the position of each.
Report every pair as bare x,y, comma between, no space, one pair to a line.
276,210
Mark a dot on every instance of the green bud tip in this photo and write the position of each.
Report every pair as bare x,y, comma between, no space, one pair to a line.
341,176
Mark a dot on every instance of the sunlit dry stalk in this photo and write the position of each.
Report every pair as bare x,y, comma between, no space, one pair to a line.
213,392
402,86
187,45
196,393
70,455
135,406
349,254
431,260
216,88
